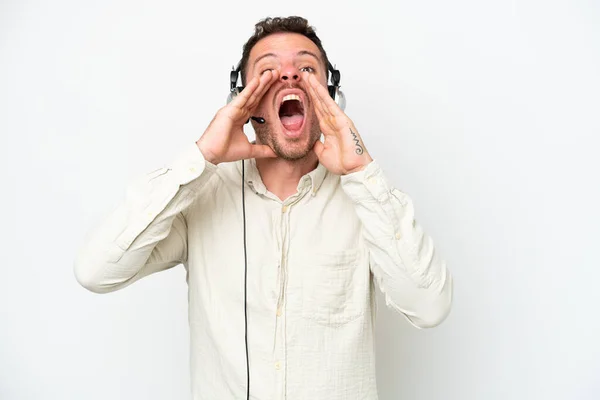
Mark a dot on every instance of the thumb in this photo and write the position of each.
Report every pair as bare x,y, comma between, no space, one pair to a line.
261,151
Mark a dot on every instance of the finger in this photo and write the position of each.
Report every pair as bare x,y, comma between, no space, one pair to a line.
323,94
264,86
326,119
317,102
242,98
321,91
251,91
261,151
253,98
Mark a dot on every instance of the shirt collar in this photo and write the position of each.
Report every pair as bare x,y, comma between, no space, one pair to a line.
314,179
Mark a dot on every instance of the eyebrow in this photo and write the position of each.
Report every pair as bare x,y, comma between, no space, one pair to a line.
308,53
263,56
300,53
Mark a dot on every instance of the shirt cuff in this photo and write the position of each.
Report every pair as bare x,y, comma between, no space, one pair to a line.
367,184
189,165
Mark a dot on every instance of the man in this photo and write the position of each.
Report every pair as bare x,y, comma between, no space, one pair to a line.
319,225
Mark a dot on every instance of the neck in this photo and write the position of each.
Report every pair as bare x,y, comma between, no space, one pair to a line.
281,177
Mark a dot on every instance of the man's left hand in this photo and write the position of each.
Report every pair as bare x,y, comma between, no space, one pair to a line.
343,151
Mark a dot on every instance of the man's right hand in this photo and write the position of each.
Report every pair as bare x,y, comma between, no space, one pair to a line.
224,140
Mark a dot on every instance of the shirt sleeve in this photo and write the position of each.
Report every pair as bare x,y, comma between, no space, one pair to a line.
403,259
147,232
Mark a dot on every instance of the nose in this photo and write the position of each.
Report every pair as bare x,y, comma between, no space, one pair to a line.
290,73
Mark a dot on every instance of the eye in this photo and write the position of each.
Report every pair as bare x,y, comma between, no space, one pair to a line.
307,69
265,70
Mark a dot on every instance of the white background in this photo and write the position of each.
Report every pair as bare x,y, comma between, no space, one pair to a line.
486,112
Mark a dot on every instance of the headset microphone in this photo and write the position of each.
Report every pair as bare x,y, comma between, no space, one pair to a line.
260,120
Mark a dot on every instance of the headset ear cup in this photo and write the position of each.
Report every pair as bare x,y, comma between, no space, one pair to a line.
334,89
340,98
233,78
231,96
331,90
234,93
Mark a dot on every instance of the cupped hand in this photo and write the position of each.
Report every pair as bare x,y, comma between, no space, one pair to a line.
224,140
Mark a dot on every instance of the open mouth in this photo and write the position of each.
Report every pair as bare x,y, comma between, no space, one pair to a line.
291,114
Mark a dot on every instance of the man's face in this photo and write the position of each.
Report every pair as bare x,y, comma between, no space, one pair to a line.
291,127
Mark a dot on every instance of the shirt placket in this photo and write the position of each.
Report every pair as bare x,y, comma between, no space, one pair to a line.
280,334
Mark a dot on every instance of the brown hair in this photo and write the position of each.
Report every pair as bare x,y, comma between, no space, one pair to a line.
269,26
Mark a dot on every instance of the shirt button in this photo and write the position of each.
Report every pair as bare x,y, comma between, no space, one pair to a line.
398,235
277,365
279,312
192,169
372,181
284,209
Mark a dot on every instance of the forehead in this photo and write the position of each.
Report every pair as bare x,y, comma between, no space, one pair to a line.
283,45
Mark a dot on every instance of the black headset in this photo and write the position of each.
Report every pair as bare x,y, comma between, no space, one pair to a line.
334,88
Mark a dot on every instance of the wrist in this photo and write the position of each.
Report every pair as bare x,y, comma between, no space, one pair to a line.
361,166
207,154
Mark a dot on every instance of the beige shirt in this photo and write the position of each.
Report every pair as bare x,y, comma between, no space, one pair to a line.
313,262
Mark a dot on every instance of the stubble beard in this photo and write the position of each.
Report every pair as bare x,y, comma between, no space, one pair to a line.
285,148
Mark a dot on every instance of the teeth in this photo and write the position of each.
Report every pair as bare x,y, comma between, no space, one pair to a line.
290,97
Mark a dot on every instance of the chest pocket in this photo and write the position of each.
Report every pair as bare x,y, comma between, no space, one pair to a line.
335,287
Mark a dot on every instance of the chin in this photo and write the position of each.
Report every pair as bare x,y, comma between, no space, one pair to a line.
292,149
